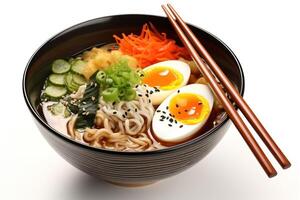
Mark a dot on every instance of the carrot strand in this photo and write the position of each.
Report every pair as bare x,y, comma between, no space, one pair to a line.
150,46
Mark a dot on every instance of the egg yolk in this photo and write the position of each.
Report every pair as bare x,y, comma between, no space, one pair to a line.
165,78
189,108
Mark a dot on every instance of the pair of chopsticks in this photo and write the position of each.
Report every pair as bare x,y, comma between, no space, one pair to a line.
194,46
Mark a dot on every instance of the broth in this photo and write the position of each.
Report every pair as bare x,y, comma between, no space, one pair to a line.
103,101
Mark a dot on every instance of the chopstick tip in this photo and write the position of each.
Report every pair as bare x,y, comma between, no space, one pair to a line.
272,174
286,165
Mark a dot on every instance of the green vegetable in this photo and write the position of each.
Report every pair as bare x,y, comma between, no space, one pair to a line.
67,113
74,81
55,92
60,66
56,108
101,77
79,79
109,81
121,78
78,66
110,94
57,79
71,60
73,107
88,106
130,94
70,83
59,109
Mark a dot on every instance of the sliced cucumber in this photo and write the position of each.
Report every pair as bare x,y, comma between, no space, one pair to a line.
57,79
79,79
71,85
67,113
60,66
71,61
78,66
57,108
55,91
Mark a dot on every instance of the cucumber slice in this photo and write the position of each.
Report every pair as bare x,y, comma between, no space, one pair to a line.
79,79
60,66
57,108
71,61
71,85
55,91
78,66
67,113
57,79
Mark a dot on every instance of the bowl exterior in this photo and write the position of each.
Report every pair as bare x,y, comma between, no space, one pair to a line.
125,168
133,169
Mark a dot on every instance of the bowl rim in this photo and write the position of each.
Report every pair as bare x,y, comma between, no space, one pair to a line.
91,148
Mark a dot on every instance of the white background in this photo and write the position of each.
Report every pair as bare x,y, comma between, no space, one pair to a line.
263,34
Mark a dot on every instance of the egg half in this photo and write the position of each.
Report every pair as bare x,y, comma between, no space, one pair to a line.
165,77
183,113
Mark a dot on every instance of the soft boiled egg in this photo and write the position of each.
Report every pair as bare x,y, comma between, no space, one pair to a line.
165,77
183,113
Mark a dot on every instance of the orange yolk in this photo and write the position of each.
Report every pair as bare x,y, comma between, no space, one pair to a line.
162,77
189,108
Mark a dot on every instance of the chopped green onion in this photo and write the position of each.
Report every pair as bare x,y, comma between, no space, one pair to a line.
100,77
110,94
130,94
121,79
109,81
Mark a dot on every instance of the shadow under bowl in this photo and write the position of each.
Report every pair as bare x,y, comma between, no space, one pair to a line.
123,168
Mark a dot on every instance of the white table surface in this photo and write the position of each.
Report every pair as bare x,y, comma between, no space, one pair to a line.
264,36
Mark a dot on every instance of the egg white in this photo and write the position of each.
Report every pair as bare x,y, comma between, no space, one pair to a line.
181,67
175,134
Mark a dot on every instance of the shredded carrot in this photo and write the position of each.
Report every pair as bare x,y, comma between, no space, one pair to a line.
150,46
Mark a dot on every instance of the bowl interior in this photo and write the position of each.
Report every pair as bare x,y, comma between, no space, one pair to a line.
100,31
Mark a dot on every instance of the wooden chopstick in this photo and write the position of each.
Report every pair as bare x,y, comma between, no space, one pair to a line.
238,99
232,113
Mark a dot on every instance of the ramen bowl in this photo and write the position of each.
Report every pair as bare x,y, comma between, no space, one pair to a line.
123,168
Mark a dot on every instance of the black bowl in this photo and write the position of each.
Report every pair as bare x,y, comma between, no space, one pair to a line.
127,168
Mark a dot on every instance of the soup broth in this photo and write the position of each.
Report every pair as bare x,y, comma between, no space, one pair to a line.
101,98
